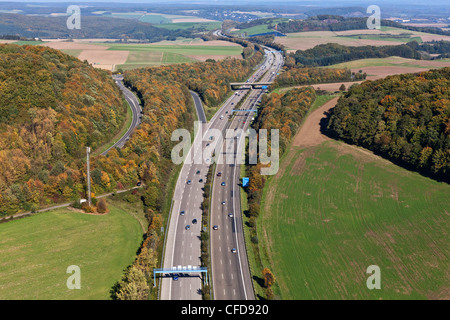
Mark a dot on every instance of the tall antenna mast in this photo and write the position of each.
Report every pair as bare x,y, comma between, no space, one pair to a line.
88,150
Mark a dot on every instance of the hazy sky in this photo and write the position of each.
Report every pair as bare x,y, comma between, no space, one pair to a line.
325,3
336,2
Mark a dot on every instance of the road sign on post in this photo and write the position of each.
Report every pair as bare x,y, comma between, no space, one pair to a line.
245,182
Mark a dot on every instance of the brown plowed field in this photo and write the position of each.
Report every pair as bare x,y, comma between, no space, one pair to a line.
309,134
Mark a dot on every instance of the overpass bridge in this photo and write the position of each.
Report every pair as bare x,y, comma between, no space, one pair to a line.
249,85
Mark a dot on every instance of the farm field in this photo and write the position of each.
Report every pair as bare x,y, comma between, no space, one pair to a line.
156,18
262,28
378,68
334,209
150,55
37,250
204,25
392,61
111,56
308,40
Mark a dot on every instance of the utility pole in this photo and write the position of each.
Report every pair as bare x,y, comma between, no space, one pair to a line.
88,150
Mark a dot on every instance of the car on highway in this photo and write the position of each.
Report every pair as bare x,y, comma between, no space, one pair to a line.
219,174
230,215
194,221
182,213
198,171
223,183
175,277
188,227
223,202
233,250
216,227
188,182
201,180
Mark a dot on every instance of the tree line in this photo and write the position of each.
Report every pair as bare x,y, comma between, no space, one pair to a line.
339,23
333,53
92,27
306,76
405,118
167,105
52,105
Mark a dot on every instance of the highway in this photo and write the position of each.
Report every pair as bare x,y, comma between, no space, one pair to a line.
231,274
135,109
199,107
183,243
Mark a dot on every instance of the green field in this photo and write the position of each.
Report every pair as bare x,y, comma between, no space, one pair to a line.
386,62
387,37
334,209
145,55
178,49
262,28
37,250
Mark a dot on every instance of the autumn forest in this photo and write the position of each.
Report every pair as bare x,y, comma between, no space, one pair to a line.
59,105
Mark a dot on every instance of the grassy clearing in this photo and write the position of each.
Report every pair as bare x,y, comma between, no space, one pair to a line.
386,37
381,62
37,250
187,50
142,59
73,52
154,19
147,55
263,28
333,210
29,43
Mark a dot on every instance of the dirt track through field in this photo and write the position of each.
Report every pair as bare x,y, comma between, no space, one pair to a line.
309,134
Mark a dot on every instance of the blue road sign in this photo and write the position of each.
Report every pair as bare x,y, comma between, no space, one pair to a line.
245,182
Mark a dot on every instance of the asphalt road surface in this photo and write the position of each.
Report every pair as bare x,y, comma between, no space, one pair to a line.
231,274
135,109
199,107
183,242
